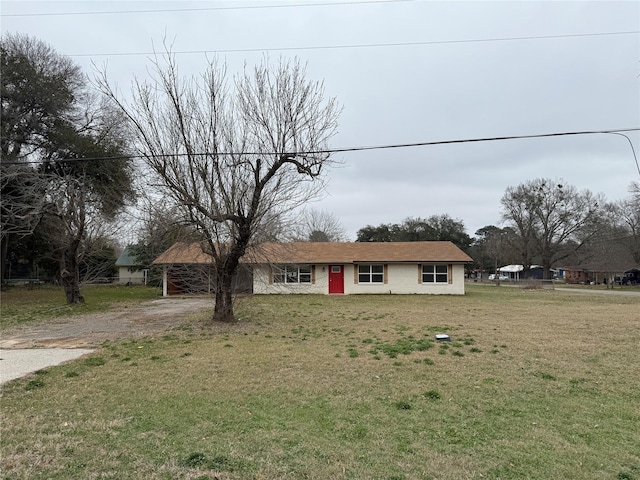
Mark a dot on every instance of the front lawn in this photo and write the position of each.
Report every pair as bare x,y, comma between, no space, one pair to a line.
534,384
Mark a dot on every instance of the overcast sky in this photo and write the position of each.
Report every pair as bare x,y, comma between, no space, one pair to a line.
406,72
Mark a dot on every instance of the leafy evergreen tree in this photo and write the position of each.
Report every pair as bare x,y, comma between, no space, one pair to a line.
51,123
434,228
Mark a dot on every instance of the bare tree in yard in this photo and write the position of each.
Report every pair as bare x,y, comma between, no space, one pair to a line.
97,264
627,212
22,201
159,227
318,226
517,212
548,217
232,157
494,243
65,223
634,190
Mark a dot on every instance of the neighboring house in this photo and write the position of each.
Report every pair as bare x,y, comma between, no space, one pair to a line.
513,272
577,275
332,268
516,272
130,270
606,262
596,274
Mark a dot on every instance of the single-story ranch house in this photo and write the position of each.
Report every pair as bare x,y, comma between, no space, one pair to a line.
325,268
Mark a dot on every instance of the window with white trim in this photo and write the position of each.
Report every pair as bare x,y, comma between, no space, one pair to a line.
435,274
292,274
370,273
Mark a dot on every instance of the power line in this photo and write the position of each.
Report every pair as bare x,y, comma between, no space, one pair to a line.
633,150
352,149
363,45
202,9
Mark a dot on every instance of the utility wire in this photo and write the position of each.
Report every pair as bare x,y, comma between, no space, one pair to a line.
201,9
633,150
363,45
350,149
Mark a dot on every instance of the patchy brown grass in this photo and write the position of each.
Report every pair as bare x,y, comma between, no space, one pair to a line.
535,384
23,306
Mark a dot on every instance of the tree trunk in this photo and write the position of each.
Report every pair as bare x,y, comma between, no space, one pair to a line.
3,259
223,311
70,276
226,268
546,268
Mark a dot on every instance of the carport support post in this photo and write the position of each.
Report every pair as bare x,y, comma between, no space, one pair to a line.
164,281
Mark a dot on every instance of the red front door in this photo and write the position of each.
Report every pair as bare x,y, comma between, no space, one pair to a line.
336,279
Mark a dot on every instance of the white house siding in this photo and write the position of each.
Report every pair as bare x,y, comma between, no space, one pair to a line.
401,279
261,279
127,276
404,279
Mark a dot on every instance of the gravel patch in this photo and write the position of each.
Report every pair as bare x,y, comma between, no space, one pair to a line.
90,331
27,349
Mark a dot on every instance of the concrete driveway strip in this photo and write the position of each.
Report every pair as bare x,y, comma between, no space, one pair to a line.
18,363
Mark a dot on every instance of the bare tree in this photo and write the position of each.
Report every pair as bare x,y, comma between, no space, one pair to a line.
494,243
547,216
627,212
21,207
97,263
634,190
318,226
231,158
158,226
517,212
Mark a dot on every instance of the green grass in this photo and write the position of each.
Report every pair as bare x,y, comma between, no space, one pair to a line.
24,306
291,399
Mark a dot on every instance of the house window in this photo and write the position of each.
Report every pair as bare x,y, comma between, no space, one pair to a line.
435,274
292,274
370,273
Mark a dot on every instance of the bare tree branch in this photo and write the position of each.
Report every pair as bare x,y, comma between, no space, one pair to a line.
267,118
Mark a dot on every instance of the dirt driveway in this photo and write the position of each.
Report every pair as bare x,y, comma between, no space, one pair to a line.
86,331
